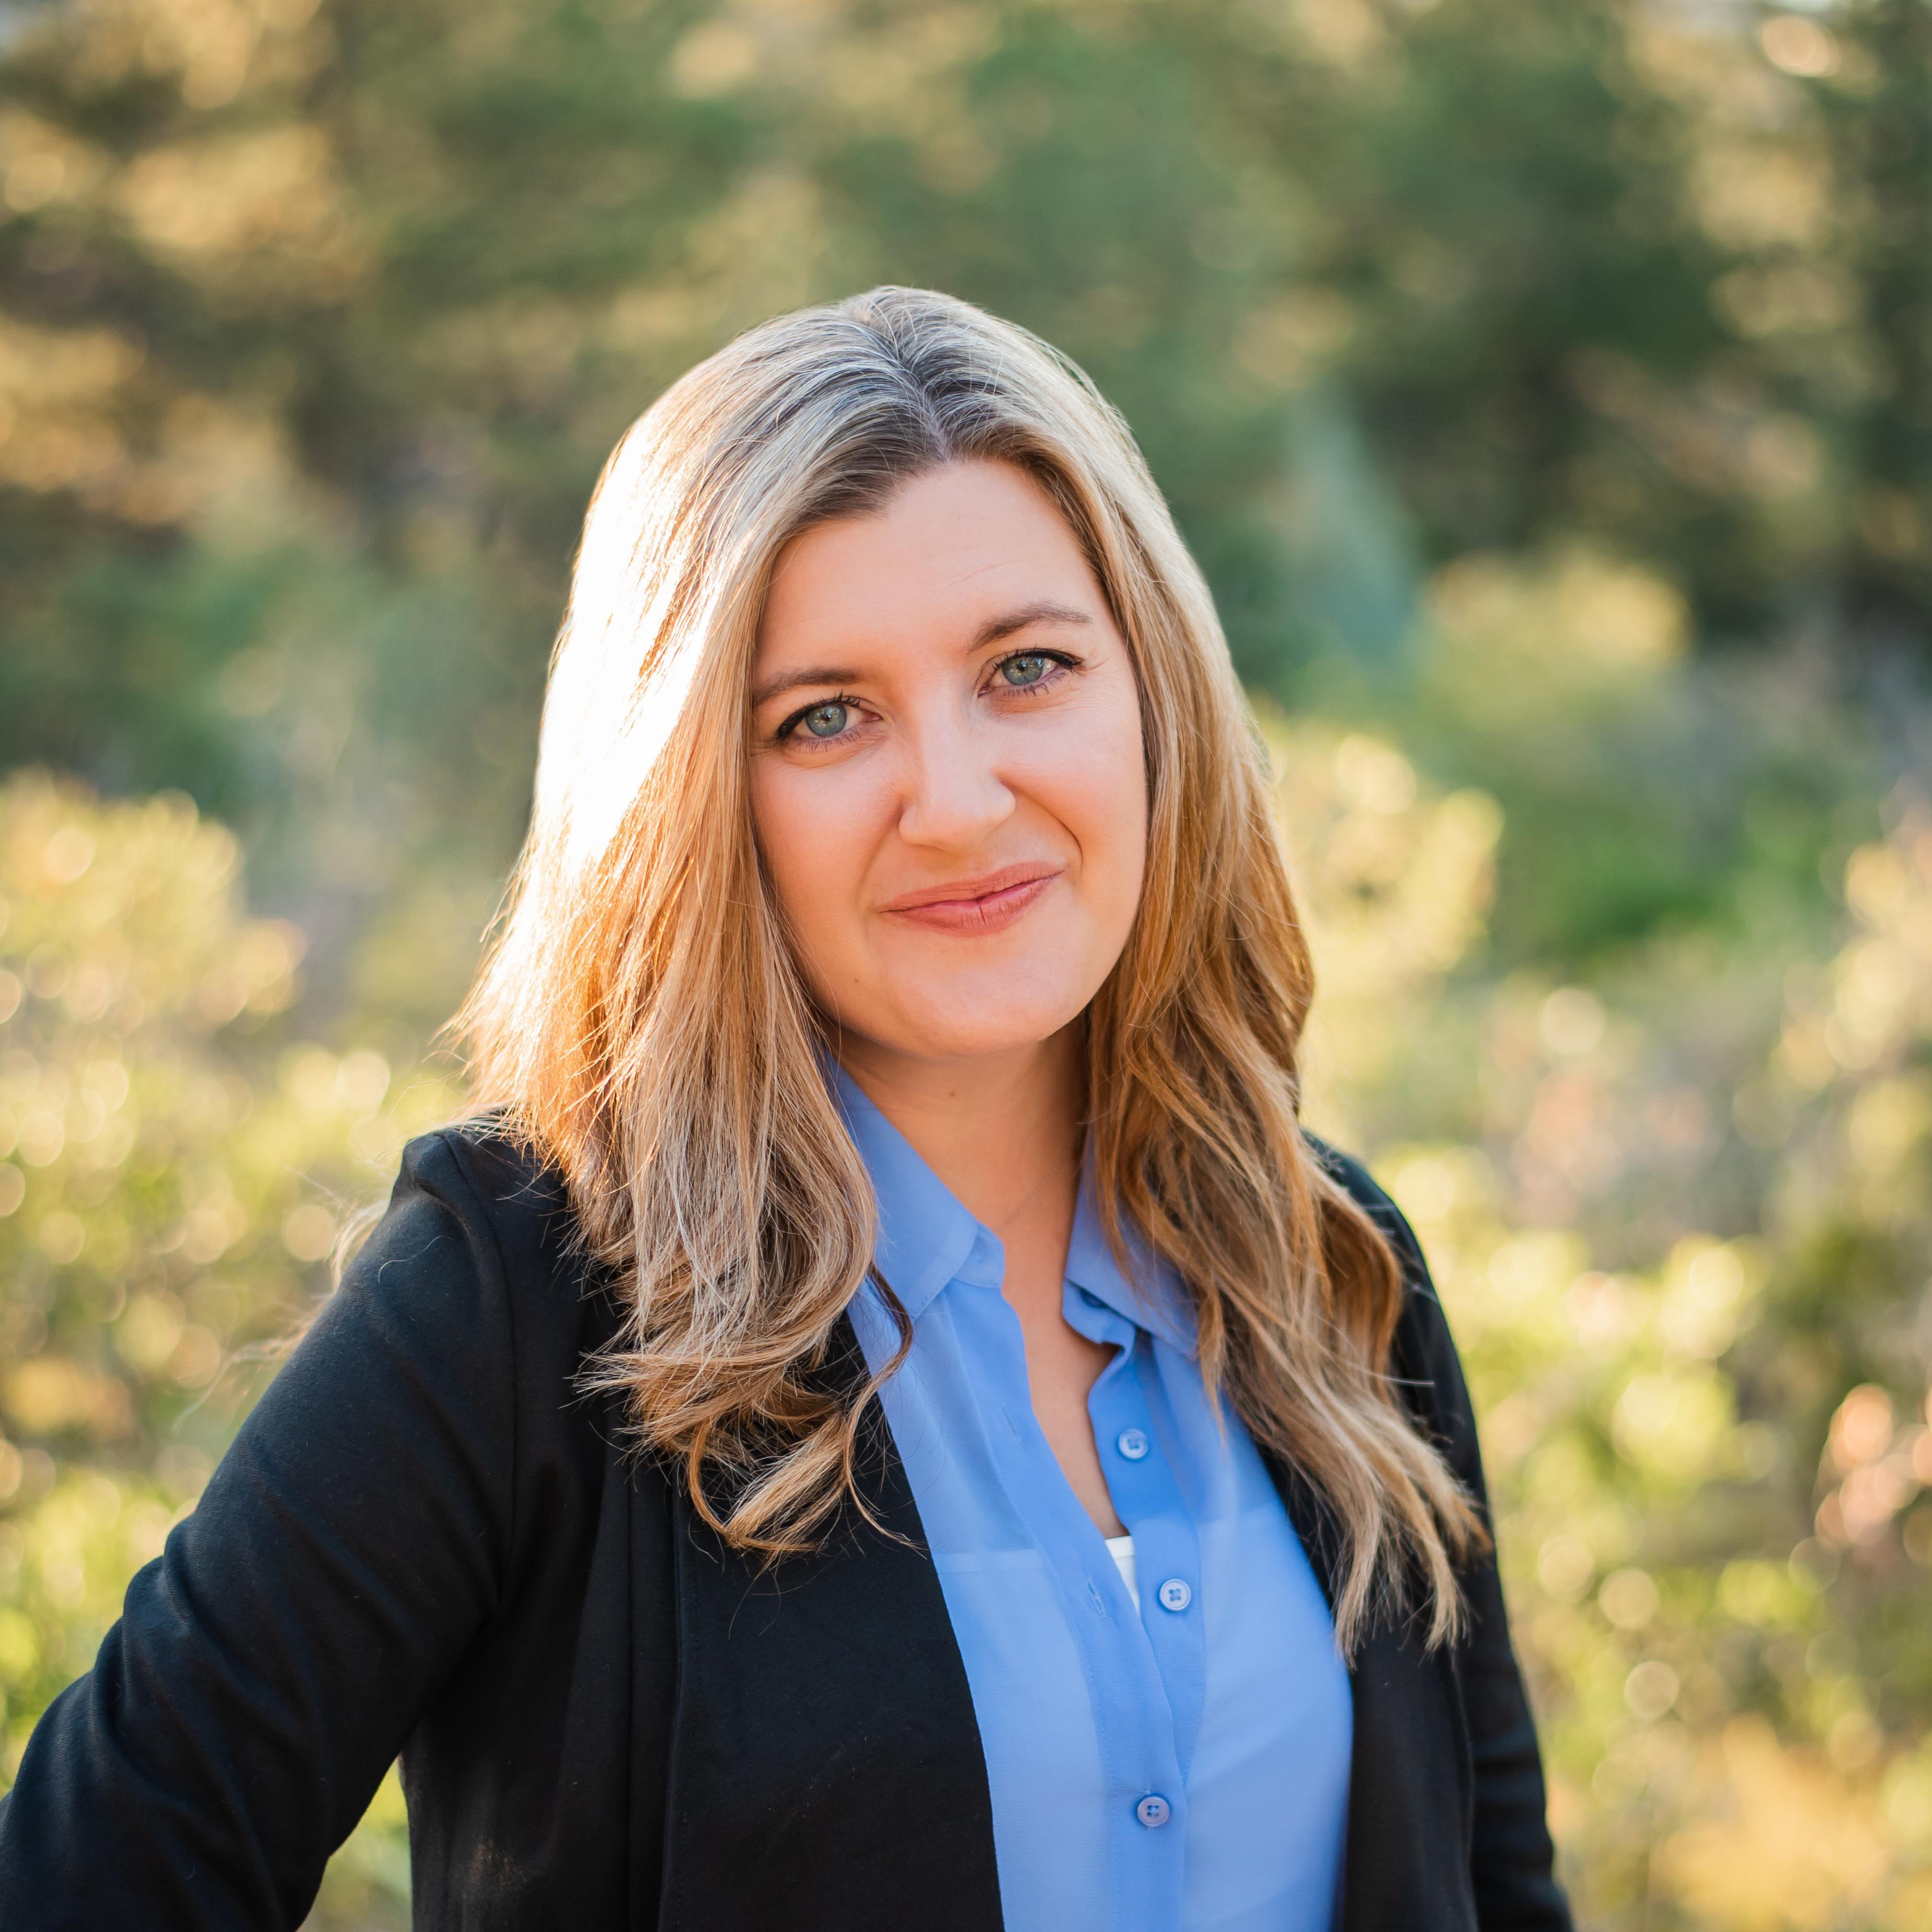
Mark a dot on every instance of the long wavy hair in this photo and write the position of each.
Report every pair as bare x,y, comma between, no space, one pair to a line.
639,1020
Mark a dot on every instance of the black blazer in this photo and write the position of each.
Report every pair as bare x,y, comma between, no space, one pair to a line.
422,1541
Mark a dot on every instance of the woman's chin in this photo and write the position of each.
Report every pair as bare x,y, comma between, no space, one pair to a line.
966,1031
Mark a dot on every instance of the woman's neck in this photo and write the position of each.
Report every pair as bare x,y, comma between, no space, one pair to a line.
1003,1132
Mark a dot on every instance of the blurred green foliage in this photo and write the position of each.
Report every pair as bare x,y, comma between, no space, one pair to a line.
1682,1220
1546,387
177,1168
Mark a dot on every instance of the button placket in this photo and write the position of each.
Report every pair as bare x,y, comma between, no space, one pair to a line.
1167,1551
1133,1456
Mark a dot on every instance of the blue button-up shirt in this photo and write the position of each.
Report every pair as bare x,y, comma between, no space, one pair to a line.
1180,1762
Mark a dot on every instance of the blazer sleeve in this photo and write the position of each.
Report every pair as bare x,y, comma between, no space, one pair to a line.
268,1664
1511,1857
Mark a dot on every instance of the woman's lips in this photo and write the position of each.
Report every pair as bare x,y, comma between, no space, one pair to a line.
972,906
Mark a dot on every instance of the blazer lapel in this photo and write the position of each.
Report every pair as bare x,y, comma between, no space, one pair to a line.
1410,1782
826,1766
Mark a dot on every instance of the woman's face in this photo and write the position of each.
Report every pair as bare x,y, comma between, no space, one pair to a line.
948,784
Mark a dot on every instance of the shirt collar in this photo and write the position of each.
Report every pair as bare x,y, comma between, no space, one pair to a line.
927,1238
1154,1298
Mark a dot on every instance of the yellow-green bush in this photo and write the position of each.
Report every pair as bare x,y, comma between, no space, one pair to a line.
1716,1562
174,1163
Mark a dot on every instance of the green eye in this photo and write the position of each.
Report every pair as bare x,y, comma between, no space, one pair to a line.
826,721
1028,668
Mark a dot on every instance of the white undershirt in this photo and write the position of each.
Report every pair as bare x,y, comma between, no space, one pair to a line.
1121,1550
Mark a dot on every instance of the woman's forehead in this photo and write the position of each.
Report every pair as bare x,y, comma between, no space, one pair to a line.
966,552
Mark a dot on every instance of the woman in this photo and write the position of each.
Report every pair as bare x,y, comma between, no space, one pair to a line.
887,1421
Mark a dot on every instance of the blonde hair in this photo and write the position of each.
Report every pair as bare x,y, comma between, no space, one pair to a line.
639,1022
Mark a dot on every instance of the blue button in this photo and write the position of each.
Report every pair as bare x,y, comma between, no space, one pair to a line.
1133,1444
1174,1595
1153,1810
1092,1300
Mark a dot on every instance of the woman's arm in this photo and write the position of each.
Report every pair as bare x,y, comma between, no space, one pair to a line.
1510,1858
268,1664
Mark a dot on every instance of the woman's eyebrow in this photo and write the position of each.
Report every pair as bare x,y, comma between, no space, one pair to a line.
795,680
1041,610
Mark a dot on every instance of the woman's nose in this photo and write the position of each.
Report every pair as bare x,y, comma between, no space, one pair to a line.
954,797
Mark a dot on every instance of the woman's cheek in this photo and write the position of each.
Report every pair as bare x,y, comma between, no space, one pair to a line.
787,835
1094,783
819,830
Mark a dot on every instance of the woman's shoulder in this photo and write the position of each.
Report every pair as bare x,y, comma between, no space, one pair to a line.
479,1220
1355,1181
490,1179
1422,1352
